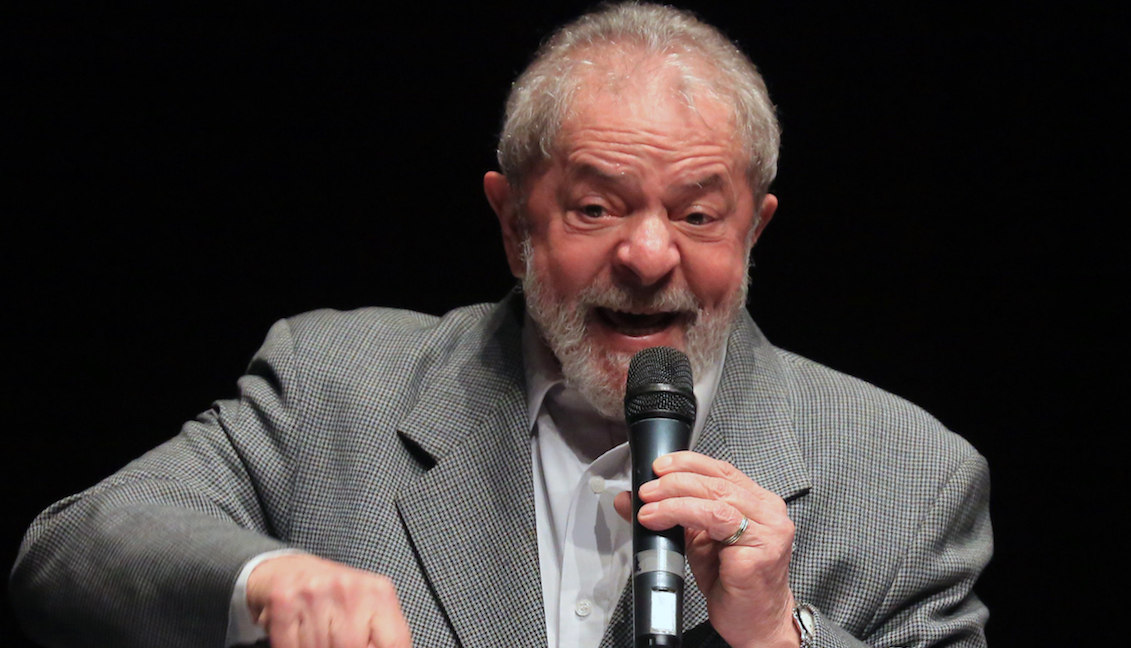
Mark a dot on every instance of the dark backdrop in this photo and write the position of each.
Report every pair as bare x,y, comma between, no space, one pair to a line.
948,229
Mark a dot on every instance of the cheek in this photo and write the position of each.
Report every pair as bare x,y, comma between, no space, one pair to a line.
714,276
573,265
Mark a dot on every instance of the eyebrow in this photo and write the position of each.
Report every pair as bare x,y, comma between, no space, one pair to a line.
709,182
591,172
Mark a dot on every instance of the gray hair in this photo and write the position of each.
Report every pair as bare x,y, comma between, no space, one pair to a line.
541,97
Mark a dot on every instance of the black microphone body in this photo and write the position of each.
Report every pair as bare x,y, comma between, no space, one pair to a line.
659,409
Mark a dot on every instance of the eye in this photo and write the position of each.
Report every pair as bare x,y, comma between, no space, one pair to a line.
594,211
697,218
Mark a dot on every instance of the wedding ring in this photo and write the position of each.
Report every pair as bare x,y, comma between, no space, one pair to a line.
737,534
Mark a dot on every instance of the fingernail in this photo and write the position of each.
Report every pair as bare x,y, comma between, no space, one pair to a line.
662,462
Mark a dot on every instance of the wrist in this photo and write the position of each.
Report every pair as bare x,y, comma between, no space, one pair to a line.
783,634
798,629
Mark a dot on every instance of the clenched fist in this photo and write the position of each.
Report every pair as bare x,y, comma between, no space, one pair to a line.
307,602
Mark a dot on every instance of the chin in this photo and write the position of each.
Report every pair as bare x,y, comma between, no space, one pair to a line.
598,367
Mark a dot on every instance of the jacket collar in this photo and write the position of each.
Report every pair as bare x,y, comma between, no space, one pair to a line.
751,421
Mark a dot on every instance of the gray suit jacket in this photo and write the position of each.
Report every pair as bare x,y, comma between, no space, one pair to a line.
397,442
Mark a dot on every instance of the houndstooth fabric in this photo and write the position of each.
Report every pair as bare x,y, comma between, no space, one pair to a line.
396,442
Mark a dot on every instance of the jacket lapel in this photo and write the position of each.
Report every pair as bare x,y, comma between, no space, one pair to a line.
750,426
470,517
751,420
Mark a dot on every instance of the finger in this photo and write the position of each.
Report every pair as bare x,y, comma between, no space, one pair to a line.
370,597
703,558
282,628
351,631
387,626
719,520
693,462
323,622
280,618
310,634
389,632
687,484
768,510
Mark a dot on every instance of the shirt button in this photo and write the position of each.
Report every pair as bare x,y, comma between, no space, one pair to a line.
597,484
583,608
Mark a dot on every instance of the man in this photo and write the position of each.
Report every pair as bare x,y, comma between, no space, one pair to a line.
391,479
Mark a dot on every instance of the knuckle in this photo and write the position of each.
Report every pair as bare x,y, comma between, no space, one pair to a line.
282,603
789,528
341,587
729,472
780,507
718,489
668,484
784,551
381,588
722,515
653,509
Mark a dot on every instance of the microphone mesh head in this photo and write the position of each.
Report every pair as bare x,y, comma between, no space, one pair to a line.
659,384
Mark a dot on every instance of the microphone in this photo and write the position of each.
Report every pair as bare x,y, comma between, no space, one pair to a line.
659,406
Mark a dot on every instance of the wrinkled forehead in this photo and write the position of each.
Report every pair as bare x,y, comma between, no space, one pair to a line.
647,110
648,90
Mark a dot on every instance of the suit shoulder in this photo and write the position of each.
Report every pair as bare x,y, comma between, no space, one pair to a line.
380,331
837,414
371,346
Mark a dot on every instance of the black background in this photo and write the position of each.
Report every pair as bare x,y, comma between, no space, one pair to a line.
949,229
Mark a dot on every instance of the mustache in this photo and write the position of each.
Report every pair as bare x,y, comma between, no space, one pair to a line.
616,297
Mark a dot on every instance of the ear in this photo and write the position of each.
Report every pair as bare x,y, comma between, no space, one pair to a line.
501,197
764,215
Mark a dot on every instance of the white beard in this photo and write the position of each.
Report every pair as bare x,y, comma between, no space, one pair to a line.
599,374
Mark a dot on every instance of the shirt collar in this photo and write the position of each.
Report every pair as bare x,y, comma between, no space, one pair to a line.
542,370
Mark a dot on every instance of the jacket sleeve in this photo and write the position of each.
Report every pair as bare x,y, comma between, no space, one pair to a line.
149,556
931,601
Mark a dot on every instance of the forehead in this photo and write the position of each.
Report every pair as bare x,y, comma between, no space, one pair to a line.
653,99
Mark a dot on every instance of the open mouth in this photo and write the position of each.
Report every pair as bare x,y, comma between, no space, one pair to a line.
637,324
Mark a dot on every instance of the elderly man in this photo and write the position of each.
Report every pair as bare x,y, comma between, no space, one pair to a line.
392,479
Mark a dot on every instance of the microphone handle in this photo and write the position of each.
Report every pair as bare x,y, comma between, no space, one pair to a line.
658,556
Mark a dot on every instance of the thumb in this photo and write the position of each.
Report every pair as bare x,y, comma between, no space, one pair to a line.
623,504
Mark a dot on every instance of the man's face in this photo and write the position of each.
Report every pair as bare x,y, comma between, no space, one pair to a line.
635,234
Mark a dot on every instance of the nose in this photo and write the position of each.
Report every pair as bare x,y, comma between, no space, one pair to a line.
647,251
